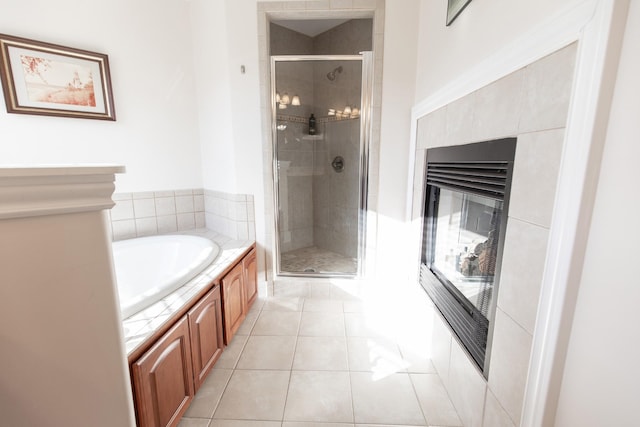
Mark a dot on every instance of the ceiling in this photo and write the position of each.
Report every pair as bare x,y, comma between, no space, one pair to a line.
310,27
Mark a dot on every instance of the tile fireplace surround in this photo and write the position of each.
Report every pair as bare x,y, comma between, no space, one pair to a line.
531,104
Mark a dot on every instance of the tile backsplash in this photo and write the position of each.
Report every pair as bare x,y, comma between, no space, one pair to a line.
159,212
156,212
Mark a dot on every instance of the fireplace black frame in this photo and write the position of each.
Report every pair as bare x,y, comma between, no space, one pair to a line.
484,169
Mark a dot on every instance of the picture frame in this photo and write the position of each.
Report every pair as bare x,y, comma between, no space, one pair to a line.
455,8
52,80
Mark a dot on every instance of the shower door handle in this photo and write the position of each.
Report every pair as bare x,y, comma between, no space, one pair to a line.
338,164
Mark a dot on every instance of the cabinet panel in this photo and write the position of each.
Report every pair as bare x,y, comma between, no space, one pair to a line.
205,328
250,267
163,379
233,298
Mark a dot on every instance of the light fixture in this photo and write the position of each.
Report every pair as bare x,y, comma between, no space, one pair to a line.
295,100
331,112
282,106
277,98
284,99
347,111
355,112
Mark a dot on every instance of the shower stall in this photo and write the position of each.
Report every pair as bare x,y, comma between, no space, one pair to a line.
321,121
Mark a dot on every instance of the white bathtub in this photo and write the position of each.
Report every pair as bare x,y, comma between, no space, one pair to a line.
150,268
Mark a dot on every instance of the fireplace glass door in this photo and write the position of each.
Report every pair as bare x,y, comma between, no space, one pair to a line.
466,245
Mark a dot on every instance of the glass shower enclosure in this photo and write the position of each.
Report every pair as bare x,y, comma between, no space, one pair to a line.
321,124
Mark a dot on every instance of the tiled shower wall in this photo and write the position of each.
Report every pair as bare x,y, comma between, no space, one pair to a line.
318,206
321,10
531,104
150,213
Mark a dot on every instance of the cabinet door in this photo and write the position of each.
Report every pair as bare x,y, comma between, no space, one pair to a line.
205,329
250,267
163,379
233,301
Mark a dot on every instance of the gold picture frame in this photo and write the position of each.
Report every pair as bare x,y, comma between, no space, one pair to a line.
52,80
454,8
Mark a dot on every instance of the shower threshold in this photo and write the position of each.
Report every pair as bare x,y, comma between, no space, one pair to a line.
313,260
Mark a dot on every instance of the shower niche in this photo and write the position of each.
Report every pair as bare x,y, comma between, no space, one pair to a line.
320,128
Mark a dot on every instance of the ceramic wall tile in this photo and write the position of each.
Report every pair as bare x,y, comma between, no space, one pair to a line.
466,386
510,355
523,260
494,414
547,91
535,176
496,108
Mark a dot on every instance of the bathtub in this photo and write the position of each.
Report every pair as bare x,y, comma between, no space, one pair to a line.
150,268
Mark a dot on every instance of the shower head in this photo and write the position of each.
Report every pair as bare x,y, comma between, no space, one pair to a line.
332,75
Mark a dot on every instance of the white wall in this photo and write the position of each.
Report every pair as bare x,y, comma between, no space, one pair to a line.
601,375
481,29
398,89
149,48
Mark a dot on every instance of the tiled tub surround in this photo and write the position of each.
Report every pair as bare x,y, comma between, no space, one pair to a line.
531,104
139,327
149,213
159,212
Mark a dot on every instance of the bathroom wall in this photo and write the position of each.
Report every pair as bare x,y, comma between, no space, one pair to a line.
149,48
532,104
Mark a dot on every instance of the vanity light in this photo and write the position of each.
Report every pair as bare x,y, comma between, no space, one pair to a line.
282,106
295,100
347,111
355,112
284,99
331,112
277,98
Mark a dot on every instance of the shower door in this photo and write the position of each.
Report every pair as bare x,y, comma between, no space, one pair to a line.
321,126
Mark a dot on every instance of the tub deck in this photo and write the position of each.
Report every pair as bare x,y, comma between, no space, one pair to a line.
144,325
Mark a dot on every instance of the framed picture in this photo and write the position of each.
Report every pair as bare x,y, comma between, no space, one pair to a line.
454,8
52,80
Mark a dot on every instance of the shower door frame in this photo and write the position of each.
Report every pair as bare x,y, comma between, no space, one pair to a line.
366,85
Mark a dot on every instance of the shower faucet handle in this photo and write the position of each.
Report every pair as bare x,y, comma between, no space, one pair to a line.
338,164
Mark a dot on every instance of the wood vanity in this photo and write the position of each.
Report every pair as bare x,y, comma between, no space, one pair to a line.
170,366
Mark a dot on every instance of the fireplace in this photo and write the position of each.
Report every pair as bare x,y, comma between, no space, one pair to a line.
464,224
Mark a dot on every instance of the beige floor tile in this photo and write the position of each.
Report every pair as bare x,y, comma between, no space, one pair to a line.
254,395
277,323
312,424
322,324
417,359
231,353
194,422
267,352
434,400
323,305
365,325
243,423
319,396
377,355
208,396
321,354
283,304
387,400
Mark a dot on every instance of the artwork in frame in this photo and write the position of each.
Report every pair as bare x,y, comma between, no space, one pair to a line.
52,80
454,8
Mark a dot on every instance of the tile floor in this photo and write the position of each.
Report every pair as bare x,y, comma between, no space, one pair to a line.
316,260
319,354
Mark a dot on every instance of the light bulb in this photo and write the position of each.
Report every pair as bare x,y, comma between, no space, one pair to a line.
295,100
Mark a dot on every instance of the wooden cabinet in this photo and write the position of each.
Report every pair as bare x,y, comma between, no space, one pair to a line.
166,377
205,328
250,268
163,379
233,301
